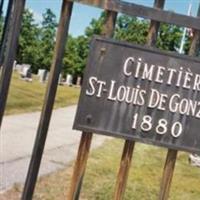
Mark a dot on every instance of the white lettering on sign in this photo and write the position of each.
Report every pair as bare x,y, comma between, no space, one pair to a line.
182,77
161,125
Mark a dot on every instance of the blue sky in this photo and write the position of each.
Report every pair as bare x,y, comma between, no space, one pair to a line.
82,14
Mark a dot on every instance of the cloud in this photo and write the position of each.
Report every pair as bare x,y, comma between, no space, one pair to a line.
37,16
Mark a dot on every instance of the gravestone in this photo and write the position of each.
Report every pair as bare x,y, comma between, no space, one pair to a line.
18,68
42,73
78,81
194,160
69,79
24,70
60,82
15,65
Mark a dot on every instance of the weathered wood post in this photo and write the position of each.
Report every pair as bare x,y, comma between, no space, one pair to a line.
129,145
172,154
85,142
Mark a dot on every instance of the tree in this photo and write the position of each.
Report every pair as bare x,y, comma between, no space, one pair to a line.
169,37
82,54
78,48
28,42
1,24
47,38
131,29
96,26
70,57
136,30
75,55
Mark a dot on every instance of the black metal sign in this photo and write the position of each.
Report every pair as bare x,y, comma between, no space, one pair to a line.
141,94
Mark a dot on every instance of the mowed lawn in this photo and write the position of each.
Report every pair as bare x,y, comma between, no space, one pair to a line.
99,181
29,96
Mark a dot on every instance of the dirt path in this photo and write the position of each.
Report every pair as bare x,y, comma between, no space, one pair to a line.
17,139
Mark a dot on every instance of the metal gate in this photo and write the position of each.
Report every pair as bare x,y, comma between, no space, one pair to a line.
9,43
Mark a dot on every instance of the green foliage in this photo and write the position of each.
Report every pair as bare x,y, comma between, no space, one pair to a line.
28,42
48,32
96,26
131,29
37,41
77,48
136,30
1,24
169,37
82,52
70,57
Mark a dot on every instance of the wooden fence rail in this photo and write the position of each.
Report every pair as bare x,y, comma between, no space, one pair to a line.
144,12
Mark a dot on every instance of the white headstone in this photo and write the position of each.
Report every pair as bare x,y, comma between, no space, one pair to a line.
14,65
60,79
69,79
42,73
194,160
19,68
78,81
24,70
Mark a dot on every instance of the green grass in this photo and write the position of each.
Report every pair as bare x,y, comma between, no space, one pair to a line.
144,177
99,181
29,96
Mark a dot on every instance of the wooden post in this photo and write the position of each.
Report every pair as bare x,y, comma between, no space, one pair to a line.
80,166
154,25
194,48
82,157
124,170
167,174
109,24
172,154
195,44
129,145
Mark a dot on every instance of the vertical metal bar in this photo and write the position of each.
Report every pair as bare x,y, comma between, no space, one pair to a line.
11,47
154,25
129,145
124,170
4,36
172,154
49,100
82,157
